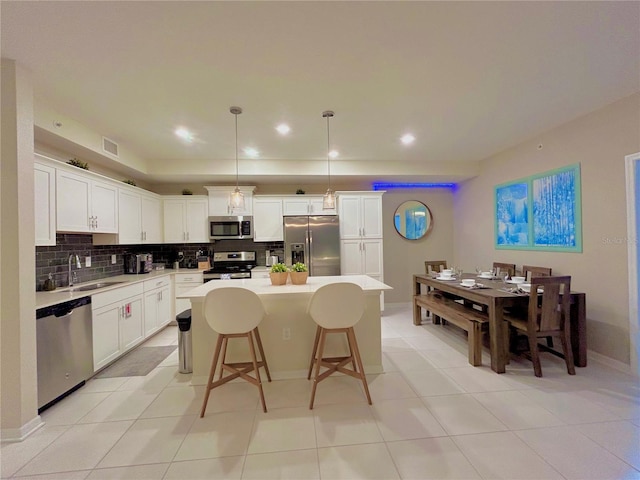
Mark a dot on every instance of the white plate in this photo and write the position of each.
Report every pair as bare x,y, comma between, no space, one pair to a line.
486,276
447,279
469,286
514,283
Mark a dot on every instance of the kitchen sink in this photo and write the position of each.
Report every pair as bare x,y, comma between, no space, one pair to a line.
89,287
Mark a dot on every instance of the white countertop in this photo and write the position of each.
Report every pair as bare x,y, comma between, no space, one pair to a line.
46,299
262,286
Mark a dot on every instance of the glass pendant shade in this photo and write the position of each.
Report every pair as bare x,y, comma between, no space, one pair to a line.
237,199
329,200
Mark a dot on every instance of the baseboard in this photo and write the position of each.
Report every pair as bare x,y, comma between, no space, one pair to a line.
12,435
609,362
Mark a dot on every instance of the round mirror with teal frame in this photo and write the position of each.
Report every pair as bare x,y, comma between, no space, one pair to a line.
413,220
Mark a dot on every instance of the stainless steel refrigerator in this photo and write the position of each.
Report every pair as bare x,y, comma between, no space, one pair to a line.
314,241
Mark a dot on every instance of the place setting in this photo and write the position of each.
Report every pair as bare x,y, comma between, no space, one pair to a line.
470,283
448,275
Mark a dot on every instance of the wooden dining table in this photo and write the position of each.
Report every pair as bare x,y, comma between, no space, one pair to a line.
496,297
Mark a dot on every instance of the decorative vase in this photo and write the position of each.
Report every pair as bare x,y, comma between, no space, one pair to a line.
278,278
299,278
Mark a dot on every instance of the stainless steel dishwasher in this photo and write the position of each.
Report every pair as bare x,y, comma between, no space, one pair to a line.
65,349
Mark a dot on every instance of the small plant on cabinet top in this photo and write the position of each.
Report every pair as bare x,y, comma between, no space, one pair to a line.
130,182
78,163
298,267
300,191
186,191
279,268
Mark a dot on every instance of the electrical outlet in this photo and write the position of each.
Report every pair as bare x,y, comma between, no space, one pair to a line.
87,261
113,259
286,334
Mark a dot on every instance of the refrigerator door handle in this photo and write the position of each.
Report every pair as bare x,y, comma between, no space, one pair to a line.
308,242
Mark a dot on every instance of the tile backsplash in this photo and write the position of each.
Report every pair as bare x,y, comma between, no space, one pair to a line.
54,259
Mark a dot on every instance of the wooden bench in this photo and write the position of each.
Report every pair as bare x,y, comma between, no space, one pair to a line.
473,321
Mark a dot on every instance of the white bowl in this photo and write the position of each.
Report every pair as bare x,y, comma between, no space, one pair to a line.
468,282
486,274
518,279
525,287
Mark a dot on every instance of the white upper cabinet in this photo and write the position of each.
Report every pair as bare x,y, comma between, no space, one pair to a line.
267,219
185,219
360,214
305,205
219,200
44,180
85,204
151,219
139,218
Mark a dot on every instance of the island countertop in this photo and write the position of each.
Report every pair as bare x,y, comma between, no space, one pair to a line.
288,331
262,286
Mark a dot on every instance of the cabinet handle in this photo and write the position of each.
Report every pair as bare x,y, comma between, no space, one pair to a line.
187,236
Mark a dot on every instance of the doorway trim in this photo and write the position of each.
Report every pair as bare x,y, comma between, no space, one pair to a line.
632,166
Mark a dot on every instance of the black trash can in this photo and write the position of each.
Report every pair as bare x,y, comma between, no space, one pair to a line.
185,352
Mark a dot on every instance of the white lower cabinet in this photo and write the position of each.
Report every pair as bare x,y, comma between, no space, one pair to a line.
157,304
117,318
183,283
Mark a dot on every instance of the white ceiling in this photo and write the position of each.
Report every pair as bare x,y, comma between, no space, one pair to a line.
468,79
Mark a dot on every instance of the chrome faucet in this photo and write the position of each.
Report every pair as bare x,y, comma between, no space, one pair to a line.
73,278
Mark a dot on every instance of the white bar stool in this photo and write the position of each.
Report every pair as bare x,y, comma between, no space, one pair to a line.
235,312
336,308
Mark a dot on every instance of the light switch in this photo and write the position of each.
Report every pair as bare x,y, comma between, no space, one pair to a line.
87,261
113,259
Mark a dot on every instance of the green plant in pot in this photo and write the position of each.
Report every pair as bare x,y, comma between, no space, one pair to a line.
299,267
278,274
299,273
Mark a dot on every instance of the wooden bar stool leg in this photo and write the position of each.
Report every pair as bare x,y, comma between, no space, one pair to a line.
212,372
313,352
351,336
255,367
319,353
223,355
263,359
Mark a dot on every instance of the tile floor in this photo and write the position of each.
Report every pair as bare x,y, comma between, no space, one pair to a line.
433,416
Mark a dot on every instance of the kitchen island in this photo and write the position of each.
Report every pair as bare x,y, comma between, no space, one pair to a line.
287,331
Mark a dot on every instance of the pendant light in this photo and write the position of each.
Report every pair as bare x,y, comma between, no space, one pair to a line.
236,200
329,199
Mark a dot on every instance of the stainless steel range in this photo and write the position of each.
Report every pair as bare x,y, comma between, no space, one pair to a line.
230,265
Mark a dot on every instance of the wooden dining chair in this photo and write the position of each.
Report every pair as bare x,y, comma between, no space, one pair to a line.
528,272
547,316
500,268
434,266
431,266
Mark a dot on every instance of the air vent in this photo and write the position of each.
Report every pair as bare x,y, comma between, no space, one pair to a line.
109,146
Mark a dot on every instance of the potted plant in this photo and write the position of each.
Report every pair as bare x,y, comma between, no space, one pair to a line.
278,274
299,273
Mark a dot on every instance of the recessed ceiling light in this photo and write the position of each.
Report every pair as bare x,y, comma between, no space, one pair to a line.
184,134
283,129
252,152
333,154
407,139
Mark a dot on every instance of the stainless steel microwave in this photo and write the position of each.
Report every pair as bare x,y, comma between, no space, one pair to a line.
230,227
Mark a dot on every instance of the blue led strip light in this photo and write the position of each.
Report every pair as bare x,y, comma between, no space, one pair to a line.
387,186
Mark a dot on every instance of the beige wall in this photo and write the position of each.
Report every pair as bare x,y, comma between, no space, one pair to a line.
18,388
403,258
599,142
